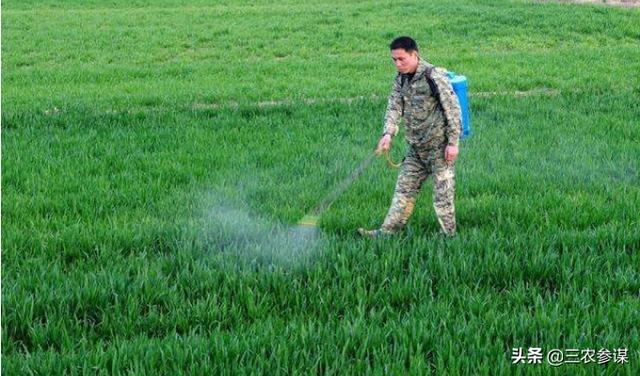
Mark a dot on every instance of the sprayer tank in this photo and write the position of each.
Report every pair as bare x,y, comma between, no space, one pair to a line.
460,87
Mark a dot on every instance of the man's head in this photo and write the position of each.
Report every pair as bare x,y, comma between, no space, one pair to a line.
404,52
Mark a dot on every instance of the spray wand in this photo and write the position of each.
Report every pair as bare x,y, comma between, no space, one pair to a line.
311,218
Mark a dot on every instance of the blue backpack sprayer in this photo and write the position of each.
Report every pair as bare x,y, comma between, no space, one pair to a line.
460,87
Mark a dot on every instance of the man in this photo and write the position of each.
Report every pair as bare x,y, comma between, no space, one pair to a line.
424,97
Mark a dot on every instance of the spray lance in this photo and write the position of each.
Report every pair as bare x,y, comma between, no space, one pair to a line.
311,219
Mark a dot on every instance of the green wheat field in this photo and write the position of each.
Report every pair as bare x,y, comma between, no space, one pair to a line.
156,156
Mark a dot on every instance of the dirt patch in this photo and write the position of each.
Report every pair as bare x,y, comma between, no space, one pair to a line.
613,3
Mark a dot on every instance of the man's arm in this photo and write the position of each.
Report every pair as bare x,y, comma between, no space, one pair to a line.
394,108
450,106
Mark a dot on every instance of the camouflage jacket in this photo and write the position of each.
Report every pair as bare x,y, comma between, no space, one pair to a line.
431,120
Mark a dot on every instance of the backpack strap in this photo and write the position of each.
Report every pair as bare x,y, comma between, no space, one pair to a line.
434,87
432,83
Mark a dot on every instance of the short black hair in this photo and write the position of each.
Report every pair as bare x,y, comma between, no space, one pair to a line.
406,43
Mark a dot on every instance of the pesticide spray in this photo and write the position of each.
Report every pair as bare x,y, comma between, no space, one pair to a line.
245,238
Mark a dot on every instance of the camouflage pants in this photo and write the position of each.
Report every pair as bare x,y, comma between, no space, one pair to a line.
416,167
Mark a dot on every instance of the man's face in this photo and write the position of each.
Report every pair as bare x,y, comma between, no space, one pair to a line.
406,62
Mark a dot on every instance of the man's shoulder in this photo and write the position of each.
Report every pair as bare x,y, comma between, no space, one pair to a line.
439,71
431,71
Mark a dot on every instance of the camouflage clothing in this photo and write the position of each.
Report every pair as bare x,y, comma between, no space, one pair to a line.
416,167
427,122
433,121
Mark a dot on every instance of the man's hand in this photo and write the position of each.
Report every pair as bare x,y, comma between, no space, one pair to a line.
451,153
384,144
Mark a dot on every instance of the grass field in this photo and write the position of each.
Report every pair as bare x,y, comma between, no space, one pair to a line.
157,154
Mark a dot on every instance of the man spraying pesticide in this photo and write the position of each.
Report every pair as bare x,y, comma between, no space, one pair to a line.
424,96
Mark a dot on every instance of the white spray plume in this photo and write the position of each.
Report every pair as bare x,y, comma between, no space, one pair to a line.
229,231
